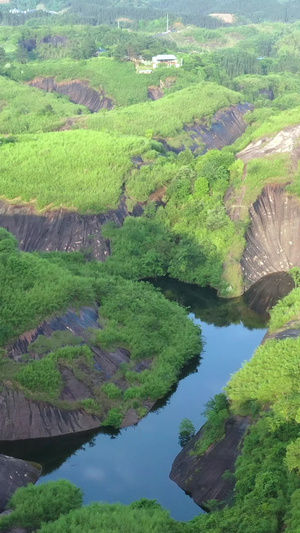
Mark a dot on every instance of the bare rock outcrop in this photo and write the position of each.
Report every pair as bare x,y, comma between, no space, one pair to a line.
24,417
273,238
286,141
155,92
78,91
59,230
21,418
15,473
227,125
264,295
201,475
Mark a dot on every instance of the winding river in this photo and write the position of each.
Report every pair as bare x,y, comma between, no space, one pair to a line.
136,462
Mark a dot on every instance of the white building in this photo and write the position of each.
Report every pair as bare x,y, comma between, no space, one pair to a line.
166,60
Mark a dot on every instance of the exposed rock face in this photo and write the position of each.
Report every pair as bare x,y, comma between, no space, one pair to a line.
55,40
22,418
290,330
155,93
201,476
15,473
79,323
59,230
78,91
226,127
286,141
273,237
265,294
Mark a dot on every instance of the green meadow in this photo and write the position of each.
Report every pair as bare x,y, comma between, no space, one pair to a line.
81,170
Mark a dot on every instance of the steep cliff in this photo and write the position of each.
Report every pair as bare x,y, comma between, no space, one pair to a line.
264,295
59,230
78,91
225,127
22,416
15,473
273,238
201,475
260,195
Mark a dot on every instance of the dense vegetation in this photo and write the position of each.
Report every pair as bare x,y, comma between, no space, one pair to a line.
69,174
134,316
166,117
145,151
28,110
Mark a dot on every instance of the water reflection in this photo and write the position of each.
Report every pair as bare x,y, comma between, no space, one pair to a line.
208,307
251,309
135,463
53,452
264,294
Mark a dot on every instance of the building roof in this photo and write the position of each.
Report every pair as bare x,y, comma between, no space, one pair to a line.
165,57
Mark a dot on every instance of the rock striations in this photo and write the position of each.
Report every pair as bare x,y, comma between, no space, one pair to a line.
15,473
78,91
225,128
202,475
22,417
273,238
59,230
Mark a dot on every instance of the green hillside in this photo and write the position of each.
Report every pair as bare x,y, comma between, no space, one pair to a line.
83,170
166,117
24,109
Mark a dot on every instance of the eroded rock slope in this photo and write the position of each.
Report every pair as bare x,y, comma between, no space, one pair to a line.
273,238
59,230
78,91
15,473
24,417
202,475
226,126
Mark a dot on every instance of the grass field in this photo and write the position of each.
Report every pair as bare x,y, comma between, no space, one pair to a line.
166,117
79,169
119,79
24,109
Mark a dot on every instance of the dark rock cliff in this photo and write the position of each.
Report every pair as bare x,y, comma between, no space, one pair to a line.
24,418
201,475
59,230
155,92
265,293
15,473
78,91
273,238
226,126
21,418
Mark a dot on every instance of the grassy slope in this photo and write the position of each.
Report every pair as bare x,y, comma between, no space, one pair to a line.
82,170
134,315
119,79
166,117
25,109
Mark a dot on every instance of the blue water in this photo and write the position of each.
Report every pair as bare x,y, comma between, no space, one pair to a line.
136,464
